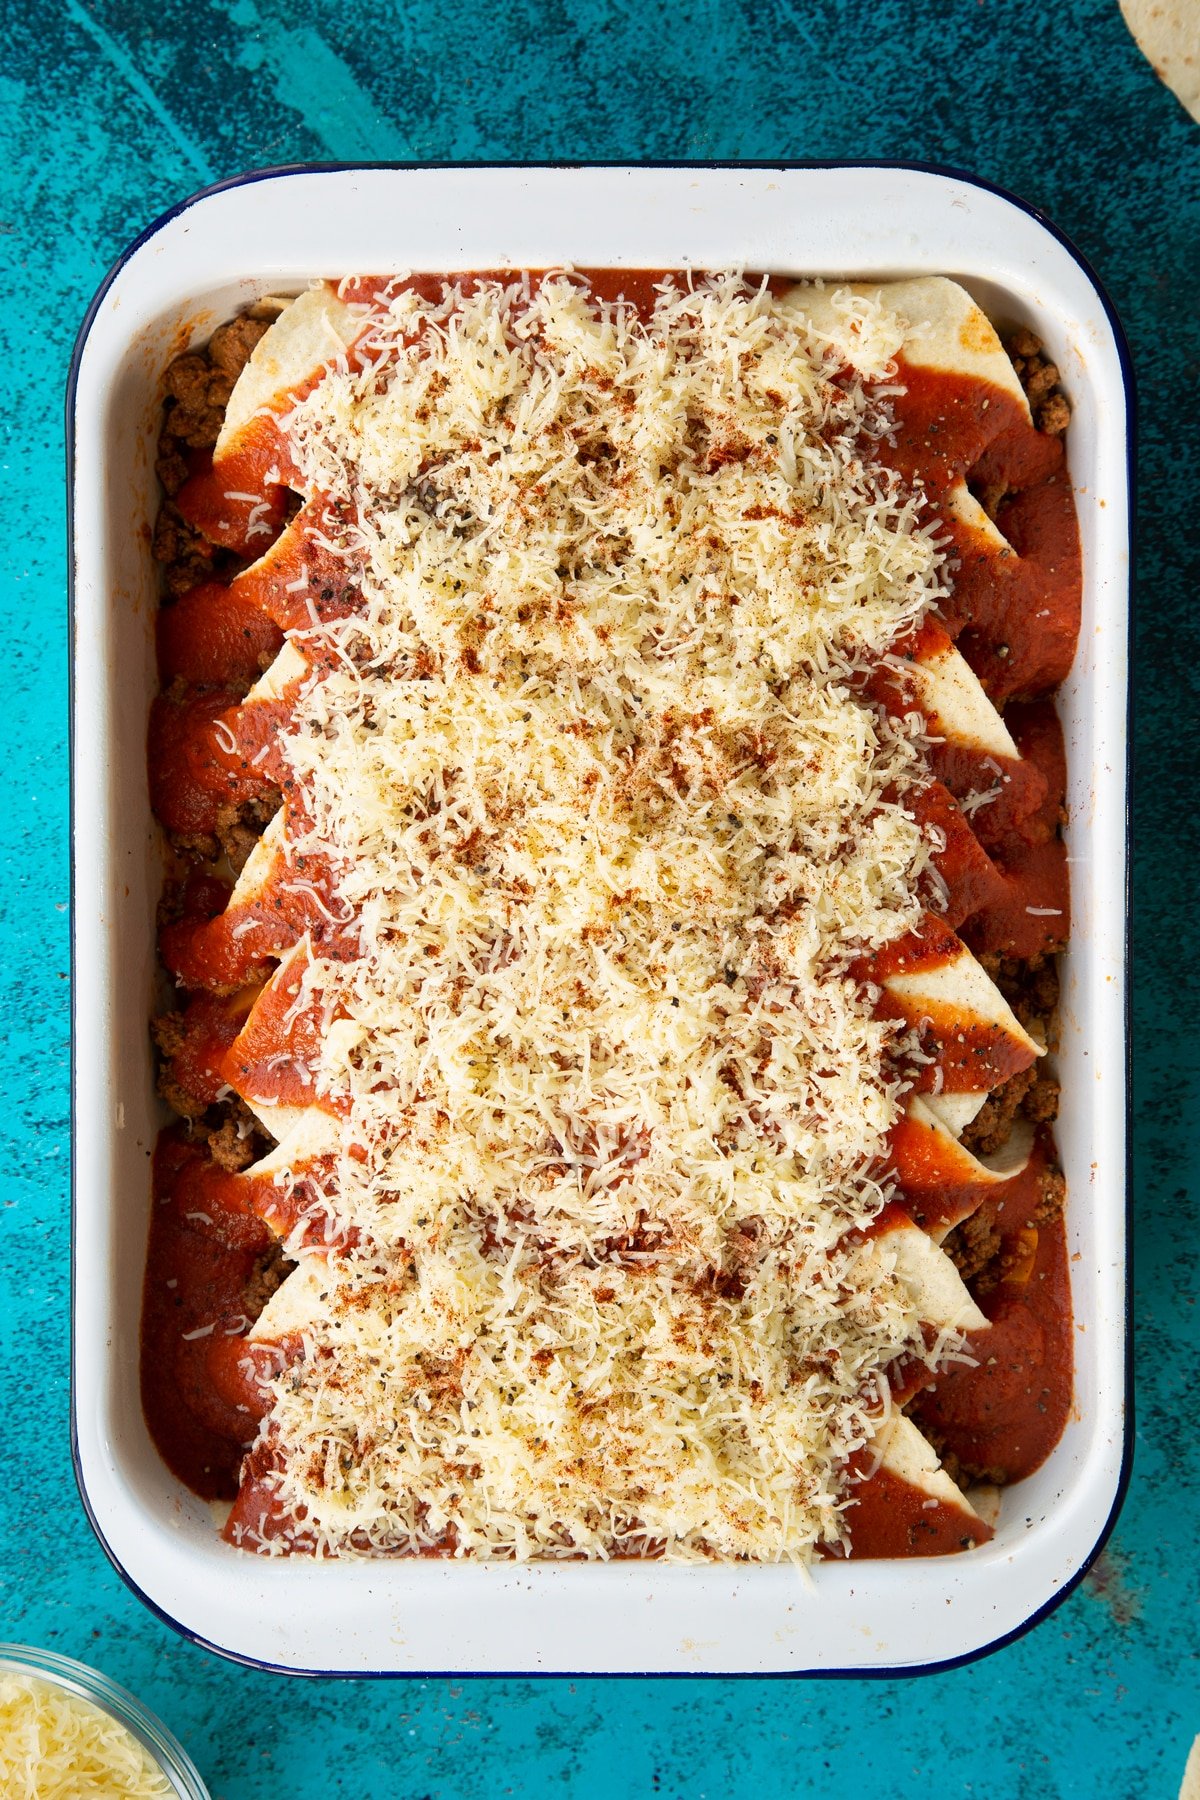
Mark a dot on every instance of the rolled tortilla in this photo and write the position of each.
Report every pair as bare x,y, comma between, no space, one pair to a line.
950,695
940,1181
951,333
907,1505
314,329
938,1292
957,990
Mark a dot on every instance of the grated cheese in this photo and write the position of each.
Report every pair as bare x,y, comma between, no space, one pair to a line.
57,1746
612,824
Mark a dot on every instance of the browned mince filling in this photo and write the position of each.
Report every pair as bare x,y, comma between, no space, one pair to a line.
232,1135
198,386
270,1271
221,1128
1049,405
1031,989
197,389
1040,378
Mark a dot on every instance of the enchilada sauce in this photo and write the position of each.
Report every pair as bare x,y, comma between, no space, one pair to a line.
1014,612
1004,1415
205,1244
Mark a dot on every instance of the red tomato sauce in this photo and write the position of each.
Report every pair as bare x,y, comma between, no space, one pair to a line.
242,520
969,1054
890,1517
205,1241
1032,915
213,636
277,1050
1008,1411
1016,615
971,879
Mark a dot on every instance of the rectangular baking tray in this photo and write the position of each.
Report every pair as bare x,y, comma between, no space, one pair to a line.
274,232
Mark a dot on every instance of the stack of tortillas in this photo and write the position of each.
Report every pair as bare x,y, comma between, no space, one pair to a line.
1168,32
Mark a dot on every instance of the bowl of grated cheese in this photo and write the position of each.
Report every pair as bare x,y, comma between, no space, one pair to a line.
67,1731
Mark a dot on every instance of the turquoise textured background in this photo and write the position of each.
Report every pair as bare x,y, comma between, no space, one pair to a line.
110,112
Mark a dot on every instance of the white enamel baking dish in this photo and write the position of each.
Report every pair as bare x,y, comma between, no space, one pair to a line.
272,233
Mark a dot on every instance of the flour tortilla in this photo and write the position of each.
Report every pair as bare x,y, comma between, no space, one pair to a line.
943,328
1168,34
945,1163
908,1455
295,1303
955,705
938,1291
310,332
962,986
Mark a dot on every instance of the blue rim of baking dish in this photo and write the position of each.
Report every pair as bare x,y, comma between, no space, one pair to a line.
886,1672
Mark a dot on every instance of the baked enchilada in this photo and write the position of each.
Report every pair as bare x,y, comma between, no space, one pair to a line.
608,756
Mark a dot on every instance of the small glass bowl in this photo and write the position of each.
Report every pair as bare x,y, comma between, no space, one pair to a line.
88,1684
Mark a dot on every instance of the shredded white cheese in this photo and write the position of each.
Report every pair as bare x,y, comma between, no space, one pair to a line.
56,1746
613,825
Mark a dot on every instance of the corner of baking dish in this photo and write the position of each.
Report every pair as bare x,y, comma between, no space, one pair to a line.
275,230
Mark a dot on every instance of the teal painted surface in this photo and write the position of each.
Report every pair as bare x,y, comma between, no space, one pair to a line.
111,111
